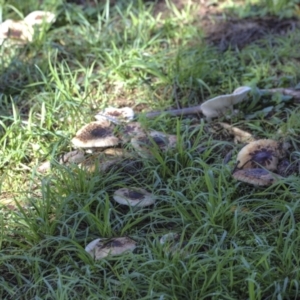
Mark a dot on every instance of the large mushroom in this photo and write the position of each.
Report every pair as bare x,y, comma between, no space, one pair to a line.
96,135
261,153
137,197
101,248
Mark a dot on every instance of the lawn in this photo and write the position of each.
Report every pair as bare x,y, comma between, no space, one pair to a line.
234,240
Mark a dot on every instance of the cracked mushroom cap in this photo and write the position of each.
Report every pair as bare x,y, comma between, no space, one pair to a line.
101,248
260,177
261,153
137,197
143,143
95,134
116,115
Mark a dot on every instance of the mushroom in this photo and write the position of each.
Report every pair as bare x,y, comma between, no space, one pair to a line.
212,107
260,177
261,153
143,143
39,17
240,136
218,105
137,197
18,32
101,248
95,134
116,115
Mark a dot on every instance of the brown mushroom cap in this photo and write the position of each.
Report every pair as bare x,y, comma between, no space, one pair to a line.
134,197
131,130
95,134
101,248
260,177
261,153
143,144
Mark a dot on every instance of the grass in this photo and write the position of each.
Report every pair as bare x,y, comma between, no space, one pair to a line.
241,242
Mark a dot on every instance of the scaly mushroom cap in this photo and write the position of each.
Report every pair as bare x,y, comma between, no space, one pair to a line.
116,115
143,143
95,134
261,153
134,197
101,248
260,177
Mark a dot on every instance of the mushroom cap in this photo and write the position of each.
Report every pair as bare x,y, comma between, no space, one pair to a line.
260,177
18,32
137,197
116,115
101,248
73,157
259,153
39,17
216,106
143,143
95,134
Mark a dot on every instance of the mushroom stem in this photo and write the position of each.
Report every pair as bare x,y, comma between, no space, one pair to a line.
176,112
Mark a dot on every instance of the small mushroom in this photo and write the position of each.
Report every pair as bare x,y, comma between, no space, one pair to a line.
116,115
95,134
261,153
72,157
240,136
137,197
218,105
144,144
260,177
39,17
101,248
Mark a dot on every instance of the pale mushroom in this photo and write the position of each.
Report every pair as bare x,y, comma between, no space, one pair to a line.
259,177
40,17
240,136
137,197
101,248
17,32
95,135
145,144
116,115
220,104
261,153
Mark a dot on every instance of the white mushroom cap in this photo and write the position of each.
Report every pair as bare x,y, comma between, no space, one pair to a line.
116,115
144,144
95,134
261,153
137,197
260,177
216,106
39,17
101,248
18,32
